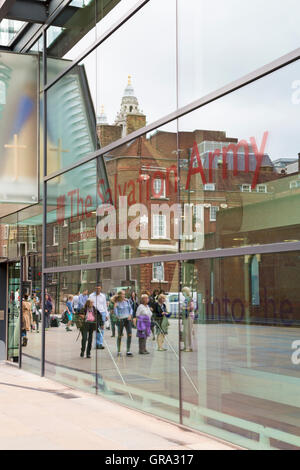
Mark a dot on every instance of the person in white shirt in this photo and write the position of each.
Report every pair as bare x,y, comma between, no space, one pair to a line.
76,302
100,304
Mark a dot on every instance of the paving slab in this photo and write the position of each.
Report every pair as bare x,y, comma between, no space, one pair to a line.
37,413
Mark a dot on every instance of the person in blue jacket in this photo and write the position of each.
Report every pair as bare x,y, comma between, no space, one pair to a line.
123,312
70,312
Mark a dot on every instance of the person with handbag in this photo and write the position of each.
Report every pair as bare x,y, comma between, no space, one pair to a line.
143,316
160,317
88,316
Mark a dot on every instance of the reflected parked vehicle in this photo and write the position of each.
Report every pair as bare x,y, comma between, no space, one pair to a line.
173,299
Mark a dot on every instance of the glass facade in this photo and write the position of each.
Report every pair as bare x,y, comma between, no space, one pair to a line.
165,205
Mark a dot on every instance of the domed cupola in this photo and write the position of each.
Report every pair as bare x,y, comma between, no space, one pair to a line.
129,91
102,118
129,105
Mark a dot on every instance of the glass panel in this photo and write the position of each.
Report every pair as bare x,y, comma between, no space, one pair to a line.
73,26
71,217
9,237
130,92
71,122
124,371
222,41
64,340
18,129
117,201
114,85
8,30
30,240
231,176
111,16
147,377
14,299
78,27
143,219
37,49
240,331
37,46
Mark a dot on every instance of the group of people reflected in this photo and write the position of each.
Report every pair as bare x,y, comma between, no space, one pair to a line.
31,314
121,313
148,315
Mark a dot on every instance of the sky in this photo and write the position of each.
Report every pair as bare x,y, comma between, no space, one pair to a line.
218,42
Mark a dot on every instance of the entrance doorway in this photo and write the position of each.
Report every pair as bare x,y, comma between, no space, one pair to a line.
14,302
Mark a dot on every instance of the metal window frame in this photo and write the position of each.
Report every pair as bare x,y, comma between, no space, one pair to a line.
44,227
182,257
24,42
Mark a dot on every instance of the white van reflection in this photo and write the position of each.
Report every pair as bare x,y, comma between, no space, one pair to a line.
172,302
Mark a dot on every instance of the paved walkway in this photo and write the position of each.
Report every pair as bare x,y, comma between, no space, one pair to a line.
37,413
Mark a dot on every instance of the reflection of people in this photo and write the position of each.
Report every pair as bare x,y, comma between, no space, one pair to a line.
152,300
48,310
83,299
76,302
133,300
89,316
26,319
161,315
100,304
112,316
123,312
35,311
143,315
17,297
188,316
70,312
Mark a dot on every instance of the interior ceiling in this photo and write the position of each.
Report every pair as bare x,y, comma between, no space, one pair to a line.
75,21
